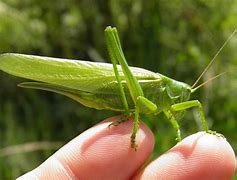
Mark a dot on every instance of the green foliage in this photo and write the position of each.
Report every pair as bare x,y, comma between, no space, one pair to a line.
175,38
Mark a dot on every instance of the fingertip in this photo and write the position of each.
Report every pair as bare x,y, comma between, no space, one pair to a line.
106,151
212,154
199,156
110,147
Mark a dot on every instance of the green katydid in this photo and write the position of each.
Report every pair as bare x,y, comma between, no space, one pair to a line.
129,90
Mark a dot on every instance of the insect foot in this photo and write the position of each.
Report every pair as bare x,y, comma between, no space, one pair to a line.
133,142
215,133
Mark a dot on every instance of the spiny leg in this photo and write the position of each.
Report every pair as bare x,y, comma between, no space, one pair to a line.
189,104
117,56
112,50
135,129
141,103
122,119
174,124
134,87
195,103
116,51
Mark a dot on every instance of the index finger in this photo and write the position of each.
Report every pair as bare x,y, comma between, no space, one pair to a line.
98,153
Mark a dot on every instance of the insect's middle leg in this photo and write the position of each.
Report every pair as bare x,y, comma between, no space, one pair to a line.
141,104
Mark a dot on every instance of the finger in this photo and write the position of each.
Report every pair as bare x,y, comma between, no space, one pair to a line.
98,153
199,156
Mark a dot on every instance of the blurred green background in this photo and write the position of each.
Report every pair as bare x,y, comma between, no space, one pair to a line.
175,38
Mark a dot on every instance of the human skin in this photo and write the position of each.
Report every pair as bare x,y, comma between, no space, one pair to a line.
105,153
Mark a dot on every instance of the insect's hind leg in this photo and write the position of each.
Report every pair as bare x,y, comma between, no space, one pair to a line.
122,119
174,124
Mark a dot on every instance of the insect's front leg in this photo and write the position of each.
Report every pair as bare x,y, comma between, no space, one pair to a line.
194,103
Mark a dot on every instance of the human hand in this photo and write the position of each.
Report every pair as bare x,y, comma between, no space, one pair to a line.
105,153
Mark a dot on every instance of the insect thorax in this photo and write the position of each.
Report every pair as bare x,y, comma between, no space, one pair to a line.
176,91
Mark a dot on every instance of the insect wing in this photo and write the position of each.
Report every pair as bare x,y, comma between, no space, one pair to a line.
74,74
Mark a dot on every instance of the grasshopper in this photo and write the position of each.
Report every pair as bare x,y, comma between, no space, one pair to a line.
130,90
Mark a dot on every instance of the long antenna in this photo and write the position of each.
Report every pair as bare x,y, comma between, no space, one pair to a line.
213,59
211,79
